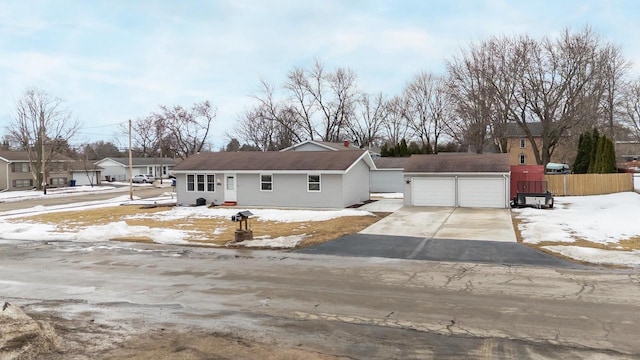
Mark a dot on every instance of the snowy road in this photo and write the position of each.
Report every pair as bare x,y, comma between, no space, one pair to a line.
335,306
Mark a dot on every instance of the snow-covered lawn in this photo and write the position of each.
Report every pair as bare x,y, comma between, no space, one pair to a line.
120,229
610,221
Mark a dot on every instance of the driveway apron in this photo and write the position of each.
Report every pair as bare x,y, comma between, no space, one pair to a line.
447,223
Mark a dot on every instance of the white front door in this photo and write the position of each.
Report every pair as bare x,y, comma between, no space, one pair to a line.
230,187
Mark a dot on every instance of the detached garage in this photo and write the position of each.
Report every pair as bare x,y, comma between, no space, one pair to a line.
457,180
387,177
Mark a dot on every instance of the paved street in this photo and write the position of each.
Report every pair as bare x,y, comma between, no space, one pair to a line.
104,296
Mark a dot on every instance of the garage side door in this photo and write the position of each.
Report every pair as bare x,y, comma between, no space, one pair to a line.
433,191
390,181
481,192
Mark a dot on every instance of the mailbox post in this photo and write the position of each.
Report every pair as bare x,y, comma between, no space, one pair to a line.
243,218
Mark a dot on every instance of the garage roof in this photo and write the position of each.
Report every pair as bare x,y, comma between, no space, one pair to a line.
457,163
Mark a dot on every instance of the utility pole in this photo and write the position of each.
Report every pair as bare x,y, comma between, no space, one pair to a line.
130,166
44,159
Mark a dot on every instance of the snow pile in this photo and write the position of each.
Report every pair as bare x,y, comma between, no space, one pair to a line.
388,195
21,337
600,219
282,242
8,196
598,256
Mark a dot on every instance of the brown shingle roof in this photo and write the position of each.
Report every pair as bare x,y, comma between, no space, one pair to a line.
390,162
463,162
271,161
13,155
515,130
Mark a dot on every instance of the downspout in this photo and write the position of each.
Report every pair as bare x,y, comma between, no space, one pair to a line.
8,184
507,189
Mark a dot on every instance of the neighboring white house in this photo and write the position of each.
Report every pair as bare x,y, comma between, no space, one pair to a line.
117,169
306,179
85,173
313,145
388,176
457,180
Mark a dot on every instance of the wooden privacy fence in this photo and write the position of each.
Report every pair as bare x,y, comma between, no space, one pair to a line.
588,184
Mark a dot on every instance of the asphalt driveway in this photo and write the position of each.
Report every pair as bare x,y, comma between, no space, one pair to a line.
415,248
446,223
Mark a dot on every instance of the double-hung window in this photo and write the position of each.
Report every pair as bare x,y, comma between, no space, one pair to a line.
211,183
523,159
266,182
313,183
21,167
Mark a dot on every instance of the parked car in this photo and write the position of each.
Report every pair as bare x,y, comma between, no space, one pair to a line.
143,178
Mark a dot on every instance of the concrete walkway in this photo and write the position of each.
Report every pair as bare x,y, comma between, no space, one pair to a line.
447,223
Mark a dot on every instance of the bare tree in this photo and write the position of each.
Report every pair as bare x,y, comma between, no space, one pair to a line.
144,135
614,70
185,131
631,110
292,121
40,124
370,115
472,97
427,108
395,126
556,82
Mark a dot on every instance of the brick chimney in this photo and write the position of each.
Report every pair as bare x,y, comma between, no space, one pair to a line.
346,143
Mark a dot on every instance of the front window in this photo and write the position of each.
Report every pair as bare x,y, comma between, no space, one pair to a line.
21,167
211,183
191,182
523,159
313,182
61,181
266,182
201,182
23,183
200,179
57,167
523,143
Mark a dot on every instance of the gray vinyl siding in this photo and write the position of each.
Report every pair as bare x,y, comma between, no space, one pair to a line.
407,190
356,184
387,181
4,175
290,190
185,197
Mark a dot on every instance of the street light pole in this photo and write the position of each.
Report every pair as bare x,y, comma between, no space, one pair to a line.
44,160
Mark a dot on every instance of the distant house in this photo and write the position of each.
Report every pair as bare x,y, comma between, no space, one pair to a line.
15,171
457,180
85,173
117,169
520,148
307,179
313,145
387,177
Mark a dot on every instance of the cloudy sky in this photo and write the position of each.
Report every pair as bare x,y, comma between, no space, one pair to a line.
119,59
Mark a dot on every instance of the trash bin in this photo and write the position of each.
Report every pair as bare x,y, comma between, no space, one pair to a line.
72,182
173,182
201,201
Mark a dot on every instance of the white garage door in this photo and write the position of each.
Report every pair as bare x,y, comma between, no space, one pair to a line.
482,192
433,191
389,181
